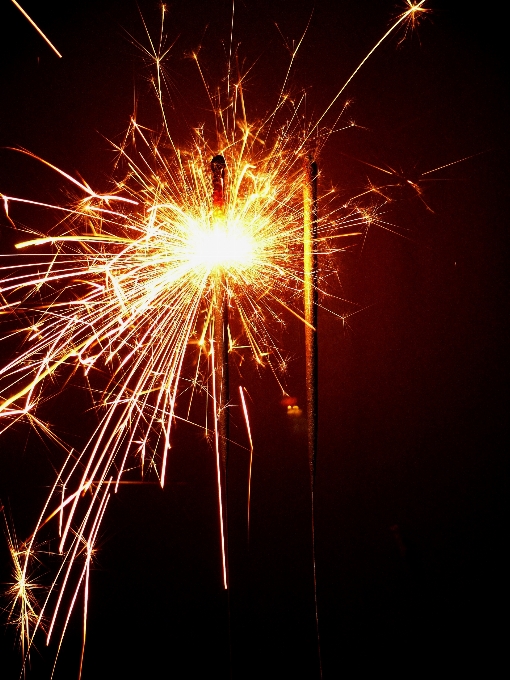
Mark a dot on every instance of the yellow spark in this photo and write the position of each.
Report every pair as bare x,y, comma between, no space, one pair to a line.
37,28
23,610
248,430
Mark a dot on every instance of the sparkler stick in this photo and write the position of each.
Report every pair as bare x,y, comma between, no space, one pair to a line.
310,279
220,368
142,263
310,294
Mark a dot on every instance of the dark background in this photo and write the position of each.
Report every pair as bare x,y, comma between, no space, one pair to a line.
413,392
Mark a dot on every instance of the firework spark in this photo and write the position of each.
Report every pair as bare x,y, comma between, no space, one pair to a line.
23,609
32,22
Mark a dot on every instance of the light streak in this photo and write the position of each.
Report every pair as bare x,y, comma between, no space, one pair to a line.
311,308
31,21
136,282
409,17
248,431
23,607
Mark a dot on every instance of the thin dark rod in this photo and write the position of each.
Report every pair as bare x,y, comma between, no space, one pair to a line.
310,291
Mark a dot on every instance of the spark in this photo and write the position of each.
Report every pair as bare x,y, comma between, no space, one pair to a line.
404,17
248,430
31,21
23,610
412,16
403,180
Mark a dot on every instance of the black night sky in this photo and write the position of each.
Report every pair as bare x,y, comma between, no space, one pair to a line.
413,392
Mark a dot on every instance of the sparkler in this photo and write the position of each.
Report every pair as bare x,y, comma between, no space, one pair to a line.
145,285
181,253
220,371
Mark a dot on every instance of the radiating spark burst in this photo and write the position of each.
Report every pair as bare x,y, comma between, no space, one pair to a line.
23,610
412,16
126,287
